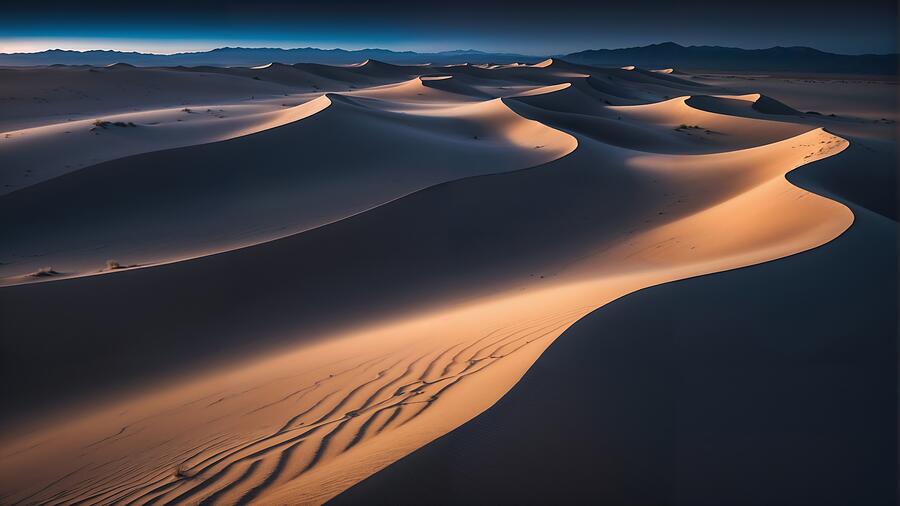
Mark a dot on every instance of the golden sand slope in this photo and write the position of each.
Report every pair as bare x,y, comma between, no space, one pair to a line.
306,422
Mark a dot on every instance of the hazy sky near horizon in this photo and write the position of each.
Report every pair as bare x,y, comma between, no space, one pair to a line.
526,26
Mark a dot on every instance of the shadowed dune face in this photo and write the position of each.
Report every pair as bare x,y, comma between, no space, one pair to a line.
258,187
32,97
826,95
389,261
690,374
428,89
83,143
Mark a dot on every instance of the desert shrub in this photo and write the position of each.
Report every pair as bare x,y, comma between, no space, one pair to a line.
121,124
43,272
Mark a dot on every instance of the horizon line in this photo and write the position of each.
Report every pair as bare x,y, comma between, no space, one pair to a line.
472,50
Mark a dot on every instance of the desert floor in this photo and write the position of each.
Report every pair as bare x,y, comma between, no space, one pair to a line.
235,285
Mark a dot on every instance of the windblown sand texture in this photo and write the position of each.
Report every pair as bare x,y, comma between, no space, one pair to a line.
367,256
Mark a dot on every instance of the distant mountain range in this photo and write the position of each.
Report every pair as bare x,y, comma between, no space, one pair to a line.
242,56
795,59
668,54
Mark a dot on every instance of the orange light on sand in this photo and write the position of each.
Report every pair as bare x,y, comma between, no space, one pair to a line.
305,423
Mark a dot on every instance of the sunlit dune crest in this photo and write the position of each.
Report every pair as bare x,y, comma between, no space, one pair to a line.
749,97
543,89
576,186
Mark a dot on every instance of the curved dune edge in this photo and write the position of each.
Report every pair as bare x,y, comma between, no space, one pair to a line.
79,144
164,108
672,125
425,88
833,220
650,368
368,398
515,131
543,90
306,423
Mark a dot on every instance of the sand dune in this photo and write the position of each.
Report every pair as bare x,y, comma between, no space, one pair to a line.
670,126
761,103
429,88
38,96
375,68
705,371
81,143
858,97
719,355
186,209
360,274
724,131
132,111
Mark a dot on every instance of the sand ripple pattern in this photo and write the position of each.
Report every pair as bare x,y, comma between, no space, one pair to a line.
625,188
318,421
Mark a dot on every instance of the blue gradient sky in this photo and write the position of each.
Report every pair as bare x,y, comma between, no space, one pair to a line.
531,28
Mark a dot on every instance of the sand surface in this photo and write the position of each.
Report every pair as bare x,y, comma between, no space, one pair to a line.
763,385
319,283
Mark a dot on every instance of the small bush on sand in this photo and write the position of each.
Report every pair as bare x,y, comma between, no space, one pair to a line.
114,265
43,272
99,123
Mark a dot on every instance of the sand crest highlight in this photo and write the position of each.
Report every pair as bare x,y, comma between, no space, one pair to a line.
480,210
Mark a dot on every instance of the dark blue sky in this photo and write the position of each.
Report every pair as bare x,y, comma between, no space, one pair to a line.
527,26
